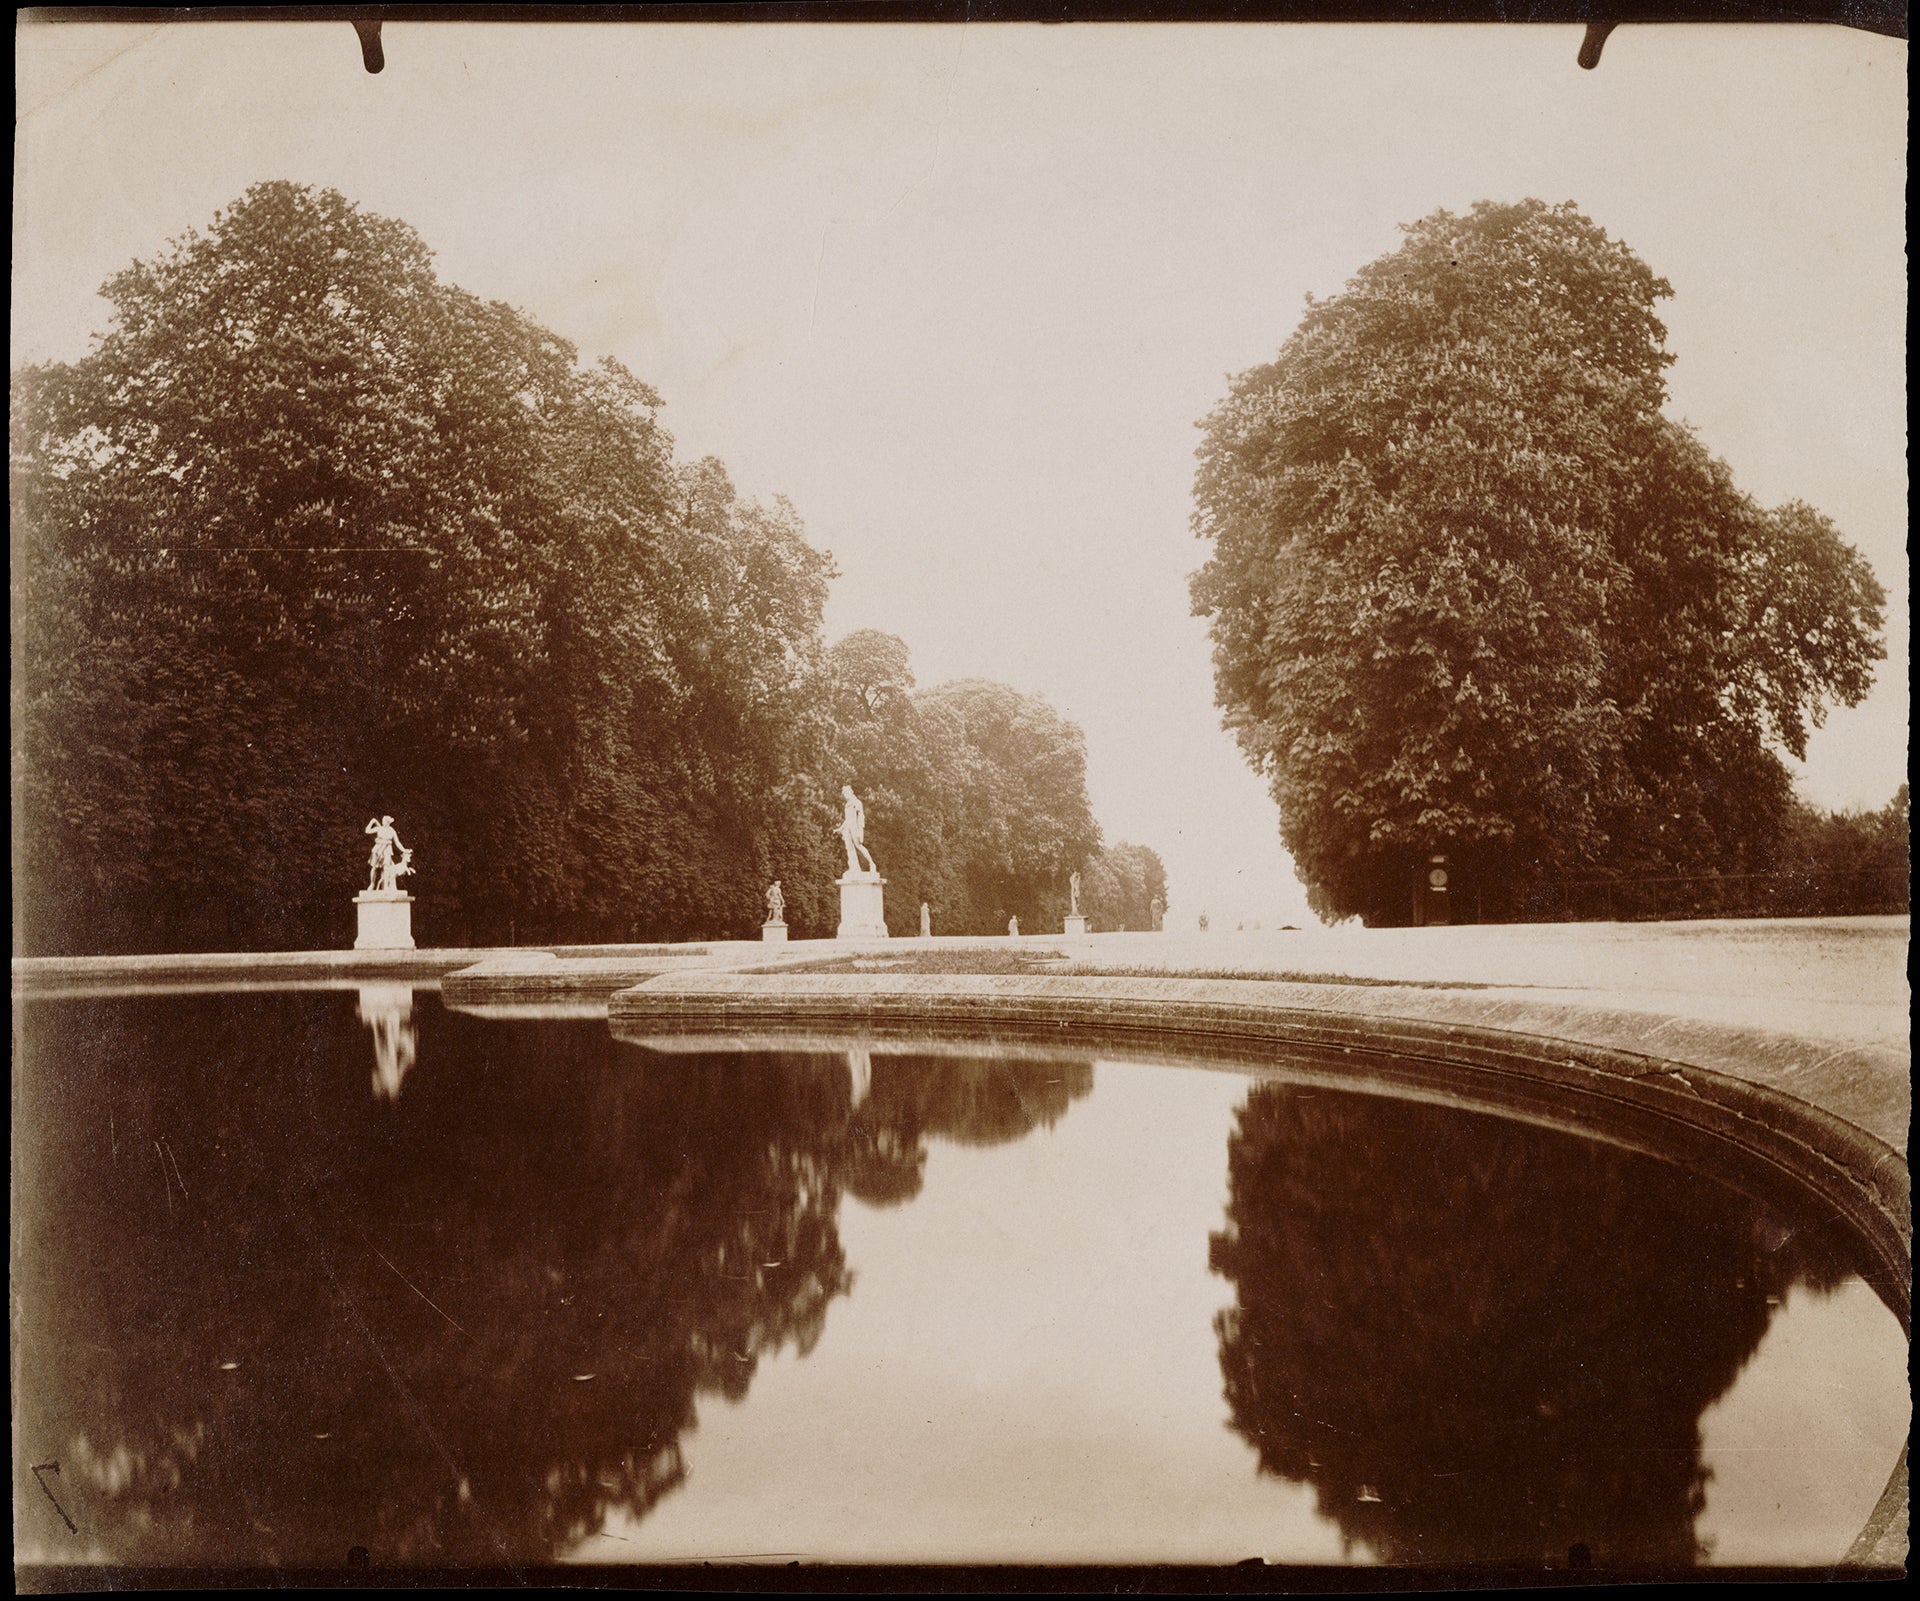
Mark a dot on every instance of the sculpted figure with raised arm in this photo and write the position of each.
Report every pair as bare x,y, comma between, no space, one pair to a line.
384,865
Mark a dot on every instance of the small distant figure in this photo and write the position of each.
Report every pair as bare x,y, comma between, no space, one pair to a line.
926,921
1158,908
776,903
1073,894
390,859
1203,922
853,832
1013,927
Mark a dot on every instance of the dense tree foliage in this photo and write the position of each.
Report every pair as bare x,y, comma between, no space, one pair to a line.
466,1325
1471,591
311,536
1120,886
1482,1342
1837,863
1023,811
976,795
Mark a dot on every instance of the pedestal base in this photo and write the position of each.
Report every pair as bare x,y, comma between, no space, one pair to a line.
863,912
1076,925
386,920
774,933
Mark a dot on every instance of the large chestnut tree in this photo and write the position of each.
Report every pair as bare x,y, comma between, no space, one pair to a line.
1471,590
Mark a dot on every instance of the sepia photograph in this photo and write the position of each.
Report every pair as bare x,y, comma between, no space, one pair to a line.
924,796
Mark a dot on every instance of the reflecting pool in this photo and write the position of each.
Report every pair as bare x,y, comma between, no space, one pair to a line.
304,1272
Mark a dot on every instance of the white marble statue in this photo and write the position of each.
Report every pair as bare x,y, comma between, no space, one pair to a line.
853,832
926,921
776,903
390,859
1013,926
1073,894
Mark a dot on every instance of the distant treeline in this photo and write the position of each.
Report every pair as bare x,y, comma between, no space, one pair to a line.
1824,864
310,536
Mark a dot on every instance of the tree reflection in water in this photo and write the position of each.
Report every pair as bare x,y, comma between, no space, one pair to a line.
266,1317
1480,1341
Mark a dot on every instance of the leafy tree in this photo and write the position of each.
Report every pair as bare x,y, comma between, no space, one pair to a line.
1023,822
976,795
906,766
310,535
1120,885
1470,591
1841,863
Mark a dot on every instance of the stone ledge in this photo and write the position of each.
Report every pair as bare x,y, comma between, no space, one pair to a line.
111,975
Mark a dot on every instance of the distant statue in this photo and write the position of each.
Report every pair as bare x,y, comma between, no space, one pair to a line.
1073,894
776,903
1158,908
926,921
1203,922
1013,926
853,832
390,859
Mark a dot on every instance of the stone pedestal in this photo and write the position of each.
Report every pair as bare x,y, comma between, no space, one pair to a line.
386,920
774,933
863,913
1076,925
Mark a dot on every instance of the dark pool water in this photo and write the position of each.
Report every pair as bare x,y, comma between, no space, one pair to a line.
299,1273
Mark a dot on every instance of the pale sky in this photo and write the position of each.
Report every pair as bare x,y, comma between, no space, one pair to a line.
961,292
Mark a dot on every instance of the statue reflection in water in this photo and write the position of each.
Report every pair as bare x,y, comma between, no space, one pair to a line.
388,1010
1483,1342
859,1075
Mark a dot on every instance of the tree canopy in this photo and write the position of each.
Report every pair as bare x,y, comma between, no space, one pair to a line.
310,535
1470,590
976,794
1120,886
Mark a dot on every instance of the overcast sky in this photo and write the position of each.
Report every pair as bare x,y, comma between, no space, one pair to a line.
961,292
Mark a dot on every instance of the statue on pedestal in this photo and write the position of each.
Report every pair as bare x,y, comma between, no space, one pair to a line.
383,915
1073,894
776,903
1158,908
926,921
853,832
384,866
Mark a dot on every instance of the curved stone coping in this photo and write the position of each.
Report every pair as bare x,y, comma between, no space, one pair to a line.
571,976
106,975
1745,1089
